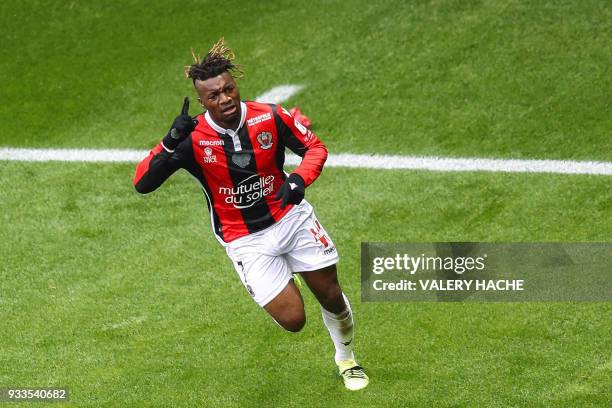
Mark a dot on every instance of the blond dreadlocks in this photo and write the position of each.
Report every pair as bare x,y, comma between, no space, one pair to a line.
218,60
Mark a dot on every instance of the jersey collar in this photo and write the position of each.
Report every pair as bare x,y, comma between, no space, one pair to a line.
219,129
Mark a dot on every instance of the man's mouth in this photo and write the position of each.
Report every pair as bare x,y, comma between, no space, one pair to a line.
229,110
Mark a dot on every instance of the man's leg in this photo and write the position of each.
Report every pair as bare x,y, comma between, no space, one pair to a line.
309,250
336,311
287,308
338,318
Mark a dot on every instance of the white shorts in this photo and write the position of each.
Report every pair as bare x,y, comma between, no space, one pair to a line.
266,259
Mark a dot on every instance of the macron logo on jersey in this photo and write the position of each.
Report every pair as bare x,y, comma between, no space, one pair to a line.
210,143
258,119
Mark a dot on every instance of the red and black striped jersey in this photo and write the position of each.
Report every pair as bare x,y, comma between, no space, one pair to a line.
240,171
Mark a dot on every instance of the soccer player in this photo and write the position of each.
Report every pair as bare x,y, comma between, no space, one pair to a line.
236,151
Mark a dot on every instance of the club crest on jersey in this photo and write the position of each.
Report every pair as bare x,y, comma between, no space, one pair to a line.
265,140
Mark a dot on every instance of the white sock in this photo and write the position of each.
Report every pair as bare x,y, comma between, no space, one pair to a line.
340,327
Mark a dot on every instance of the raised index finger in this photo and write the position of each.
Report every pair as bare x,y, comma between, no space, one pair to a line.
185,109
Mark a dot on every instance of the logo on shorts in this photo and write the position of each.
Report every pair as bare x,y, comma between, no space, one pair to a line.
265,140
246,284
321,237
329,250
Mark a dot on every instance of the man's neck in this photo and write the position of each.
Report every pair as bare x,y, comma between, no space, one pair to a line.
228,126
233,125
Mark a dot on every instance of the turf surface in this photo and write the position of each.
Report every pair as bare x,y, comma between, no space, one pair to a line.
129,301
518,79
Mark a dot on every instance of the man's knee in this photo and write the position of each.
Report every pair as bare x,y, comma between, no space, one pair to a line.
331,298
293,321
333,294
324,284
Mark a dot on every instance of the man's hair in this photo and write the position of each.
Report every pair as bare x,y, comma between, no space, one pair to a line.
217,61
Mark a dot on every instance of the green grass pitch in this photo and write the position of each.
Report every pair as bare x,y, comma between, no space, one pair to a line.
128,300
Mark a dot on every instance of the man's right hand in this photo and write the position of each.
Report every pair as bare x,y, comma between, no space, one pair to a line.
181,128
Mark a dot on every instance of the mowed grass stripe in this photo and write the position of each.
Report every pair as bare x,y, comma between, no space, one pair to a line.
121,297
375,161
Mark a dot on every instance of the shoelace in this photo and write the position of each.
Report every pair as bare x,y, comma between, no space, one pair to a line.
355,372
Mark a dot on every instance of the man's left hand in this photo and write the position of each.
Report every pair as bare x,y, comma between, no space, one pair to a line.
291,191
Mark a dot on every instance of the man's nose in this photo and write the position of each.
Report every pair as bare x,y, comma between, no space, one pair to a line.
225,98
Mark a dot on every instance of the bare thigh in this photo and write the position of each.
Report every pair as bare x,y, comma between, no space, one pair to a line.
287,308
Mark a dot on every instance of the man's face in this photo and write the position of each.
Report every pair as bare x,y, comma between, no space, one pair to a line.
221,98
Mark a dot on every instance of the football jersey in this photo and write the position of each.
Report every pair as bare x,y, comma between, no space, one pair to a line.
239,171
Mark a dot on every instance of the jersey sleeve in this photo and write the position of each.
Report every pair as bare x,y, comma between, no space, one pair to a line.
160,164
304,143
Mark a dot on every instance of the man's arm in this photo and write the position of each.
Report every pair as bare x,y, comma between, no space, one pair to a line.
155,169
167,157
304,143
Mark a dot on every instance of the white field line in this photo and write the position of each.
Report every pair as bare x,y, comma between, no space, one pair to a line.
364,161
469,164
279,93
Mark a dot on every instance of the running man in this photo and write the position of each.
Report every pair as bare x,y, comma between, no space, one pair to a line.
236,151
